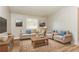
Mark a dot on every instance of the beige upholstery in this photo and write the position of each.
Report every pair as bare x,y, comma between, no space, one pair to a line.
64,39
49,36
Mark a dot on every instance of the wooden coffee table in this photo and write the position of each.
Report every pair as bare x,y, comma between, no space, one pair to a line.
37,41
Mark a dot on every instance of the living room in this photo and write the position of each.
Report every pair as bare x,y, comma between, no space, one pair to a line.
52,19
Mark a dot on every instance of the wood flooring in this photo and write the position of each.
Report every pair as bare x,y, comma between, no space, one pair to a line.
53,46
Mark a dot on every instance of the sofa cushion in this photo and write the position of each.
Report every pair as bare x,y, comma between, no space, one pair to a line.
62,33
28,31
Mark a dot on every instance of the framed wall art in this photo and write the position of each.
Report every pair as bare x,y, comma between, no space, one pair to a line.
19,23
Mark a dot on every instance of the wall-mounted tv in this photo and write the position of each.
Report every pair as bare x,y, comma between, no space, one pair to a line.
3,25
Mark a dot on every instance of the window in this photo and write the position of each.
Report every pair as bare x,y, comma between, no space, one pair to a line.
31,23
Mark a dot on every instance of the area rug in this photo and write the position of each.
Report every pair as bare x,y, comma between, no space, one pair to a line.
26,46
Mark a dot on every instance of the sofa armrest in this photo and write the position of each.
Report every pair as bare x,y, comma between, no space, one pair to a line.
68,35
67,38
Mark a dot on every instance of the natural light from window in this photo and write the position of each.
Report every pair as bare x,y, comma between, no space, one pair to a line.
32,23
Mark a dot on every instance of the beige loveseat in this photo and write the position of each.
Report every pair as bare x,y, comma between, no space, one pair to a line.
63,39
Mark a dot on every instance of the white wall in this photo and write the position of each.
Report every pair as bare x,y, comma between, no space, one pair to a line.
14,16
65,19
5,13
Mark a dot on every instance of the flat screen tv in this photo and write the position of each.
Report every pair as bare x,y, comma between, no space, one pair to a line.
3,25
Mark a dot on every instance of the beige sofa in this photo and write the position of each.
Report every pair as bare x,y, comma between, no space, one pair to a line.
63,39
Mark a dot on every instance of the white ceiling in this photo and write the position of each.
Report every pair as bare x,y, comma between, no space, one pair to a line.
35,10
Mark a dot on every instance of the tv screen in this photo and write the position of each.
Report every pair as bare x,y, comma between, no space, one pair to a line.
3,25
